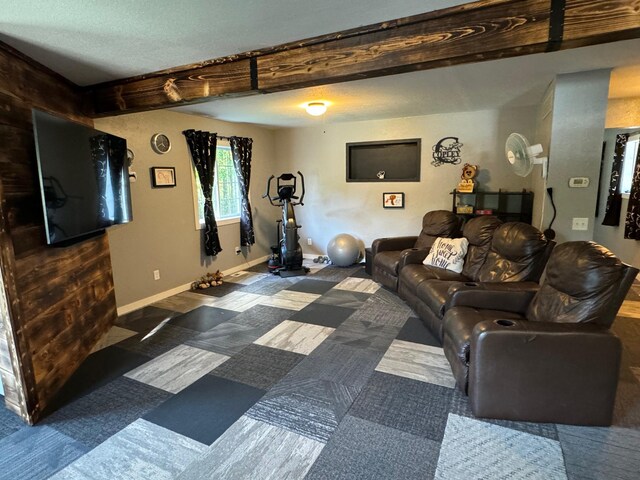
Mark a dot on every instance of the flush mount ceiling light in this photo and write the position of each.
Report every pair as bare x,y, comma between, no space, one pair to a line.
316,108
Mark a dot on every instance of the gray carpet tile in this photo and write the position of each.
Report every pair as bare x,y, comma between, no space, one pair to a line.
323,315
160,342
364,334
203,318
339,363
379,310
360,273
263,316
593,453
228,338
271,285
360,449
251,449
220,290
258,366
460,406
145,319
626,412
140,451
312,285
37,453
206,408
9,421
409,405
343,298
415,331
310,407
385,297
474,449
98,370
335,274
95,417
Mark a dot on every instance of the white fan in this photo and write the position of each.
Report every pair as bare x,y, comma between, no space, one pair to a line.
522,156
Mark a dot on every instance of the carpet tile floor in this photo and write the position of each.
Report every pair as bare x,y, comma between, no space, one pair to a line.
326,376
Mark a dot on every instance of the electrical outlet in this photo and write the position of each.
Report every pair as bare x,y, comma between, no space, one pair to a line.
156,274
309,241
580,223
238,250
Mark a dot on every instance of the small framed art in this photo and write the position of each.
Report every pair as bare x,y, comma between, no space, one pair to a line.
393,200
163,177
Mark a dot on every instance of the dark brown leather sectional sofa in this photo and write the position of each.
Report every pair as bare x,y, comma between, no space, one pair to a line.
520,350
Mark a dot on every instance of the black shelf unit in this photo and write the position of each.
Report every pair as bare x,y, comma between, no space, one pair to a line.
507,206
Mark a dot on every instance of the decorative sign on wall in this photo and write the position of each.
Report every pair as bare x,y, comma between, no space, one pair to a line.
447,150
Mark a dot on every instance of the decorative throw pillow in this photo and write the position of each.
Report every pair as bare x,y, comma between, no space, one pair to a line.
448,253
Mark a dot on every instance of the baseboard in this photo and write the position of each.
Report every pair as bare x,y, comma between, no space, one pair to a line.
138,304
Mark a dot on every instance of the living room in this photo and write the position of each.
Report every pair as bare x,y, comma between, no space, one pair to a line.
563,100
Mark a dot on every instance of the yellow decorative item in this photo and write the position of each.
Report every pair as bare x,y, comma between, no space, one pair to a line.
467,184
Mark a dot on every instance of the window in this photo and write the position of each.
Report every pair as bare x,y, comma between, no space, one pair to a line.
226,190
629,163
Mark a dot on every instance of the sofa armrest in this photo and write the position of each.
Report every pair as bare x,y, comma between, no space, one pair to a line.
543,372
507,296
412,256
392,243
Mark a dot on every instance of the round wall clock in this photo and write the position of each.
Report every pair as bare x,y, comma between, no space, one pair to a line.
130,156
160,143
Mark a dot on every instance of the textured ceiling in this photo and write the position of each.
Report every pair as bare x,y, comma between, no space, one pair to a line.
91,41
94,41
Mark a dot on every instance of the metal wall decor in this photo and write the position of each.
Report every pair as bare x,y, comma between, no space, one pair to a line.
447,150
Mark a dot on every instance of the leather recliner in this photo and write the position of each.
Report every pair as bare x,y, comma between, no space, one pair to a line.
498,253
543,355
387,253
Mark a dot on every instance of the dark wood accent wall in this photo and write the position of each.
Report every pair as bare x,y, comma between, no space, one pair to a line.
56,302
473,32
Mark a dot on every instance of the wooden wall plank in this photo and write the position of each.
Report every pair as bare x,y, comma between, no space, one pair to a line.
58,299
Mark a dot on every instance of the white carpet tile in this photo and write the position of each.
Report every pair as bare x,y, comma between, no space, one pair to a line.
480,450
178,368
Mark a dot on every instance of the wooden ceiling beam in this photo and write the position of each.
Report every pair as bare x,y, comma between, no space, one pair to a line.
474,32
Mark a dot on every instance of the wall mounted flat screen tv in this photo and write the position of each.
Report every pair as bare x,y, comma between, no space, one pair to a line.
84,178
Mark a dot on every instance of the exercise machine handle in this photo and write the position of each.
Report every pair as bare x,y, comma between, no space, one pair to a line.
266,195
302,182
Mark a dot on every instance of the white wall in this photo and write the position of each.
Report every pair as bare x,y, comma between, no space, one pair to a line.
162,235
334,206
613,237
578,119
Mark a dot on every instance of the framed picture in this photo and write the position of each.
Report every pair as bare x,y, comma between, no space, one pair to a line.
393,200
163,177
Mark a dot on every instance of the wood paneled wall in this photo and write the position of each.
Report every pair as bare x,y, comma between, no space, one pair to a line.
55,302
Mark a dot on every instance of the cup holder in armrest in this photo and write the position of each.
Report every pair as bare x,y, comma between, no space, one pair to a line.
504,323
471,284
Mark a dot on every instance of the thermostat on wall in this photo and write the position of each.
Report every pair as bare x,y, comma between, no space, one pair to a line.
579,182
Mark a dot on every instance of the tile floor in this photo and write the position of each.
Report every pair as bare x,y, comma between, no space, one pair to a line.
326,376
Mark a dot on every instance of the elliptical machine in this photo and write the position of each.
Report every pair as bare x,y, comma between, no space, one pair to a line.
286,259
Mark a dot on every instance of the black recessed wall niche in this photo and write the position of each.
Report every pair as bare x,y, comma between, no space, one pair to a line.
384,161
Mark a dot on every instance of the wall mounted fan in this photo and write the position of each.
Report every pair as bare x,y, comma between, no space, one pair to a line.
523,156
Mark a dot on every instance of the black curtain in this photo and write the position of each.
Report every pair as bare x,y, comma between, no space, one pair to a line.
117,159
614,200
100,158
241,152
632,221
202,146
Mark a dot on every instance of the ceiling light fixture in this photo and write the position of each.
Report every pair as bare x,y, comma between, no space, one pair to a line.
316,108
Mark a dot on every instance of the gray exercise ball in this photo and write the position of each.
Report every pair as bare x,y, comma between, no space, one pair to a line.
343,250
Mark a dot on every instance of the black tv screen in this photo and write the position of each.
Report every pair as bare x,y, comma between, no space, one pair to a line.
84,178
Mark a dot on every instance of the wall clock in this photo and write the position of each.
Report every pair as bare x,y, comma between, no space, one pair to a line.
160,143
